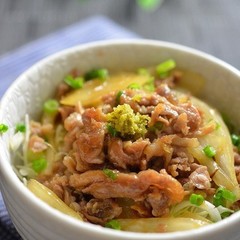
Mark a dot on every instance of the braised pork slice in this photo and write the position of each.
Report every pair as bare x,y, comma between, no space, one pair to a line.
134,186
37,144
124,154
200,178
182,118
165,145
89,142
100,210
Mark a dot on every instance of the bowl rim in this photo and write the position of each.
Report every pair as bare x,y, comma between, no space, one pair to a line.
11,178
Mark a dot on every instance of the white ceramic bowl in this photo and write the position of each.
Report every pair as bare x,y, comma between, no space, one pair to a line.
34,219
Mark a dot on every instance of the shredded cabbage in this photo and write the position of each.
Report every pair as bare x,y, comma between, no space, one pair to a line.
16,141
26,139
206,210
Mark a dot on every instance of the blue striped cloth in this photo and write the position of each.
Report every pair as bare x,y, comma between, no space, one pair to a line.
14,63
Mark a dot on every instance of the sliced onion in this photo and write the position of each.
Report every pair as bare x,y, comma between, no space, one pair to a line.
160,225
212,211
16,141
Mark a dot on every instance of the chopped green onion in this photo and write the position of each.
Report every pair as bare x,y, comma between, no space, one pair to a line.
225,214
149,85
100,73
196,199
110,173
114,224
235,139
222,195
38,165
209,151
134,86
164,67
218,200
3,128
74,82
157,126
20,127
164,75
51,106
111,130
228,195
149,4
118,96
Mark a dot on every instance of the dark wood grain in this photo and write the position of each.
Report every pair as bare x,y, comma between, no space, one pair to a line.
209,25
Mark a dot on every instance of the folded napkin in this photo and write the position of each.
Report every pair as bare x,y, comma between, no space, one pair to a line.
14,63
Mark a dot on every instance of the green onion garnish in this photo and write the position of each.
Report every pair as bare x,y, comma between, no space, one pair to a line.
38,165
149,85
114,224
110,173
209,151
235,139
111,130
134,86
222,195
100,73
228,195
3,128
225,214
164,67
118,96
149,4
217,201
51,106
74,82
196,199
20,127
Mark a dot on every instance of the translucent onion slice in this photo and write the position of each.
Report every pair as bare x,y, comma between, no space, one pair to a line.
218,175
212,211
222,165
160,225
93,90
206,212
51,198
16,141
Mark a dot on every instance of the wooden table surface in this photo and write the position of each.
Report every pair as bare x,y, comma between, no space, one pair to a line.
209,25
